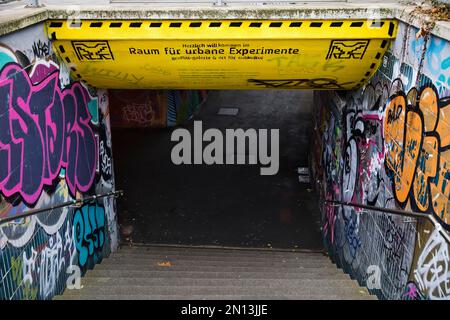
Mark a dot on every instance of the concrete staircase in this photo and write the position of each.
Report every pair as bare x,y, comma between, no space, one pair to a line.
164,272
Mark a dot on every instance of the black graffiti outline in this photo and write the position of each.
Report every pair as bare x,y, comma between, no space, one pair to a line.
87,56
340,45
328,83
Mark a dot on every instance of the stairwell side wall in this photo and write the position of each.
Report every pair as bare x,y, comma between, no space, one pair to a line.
388,145
55,146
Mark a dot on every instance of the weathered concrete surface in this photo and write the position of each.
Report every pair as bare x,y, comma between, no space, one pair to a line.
14,16
220,274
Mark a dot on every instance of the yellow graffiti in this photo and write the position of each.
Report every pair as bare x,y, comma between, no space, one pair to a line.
17,270
403,145
417,154
426,169
207,54
29,291
440,191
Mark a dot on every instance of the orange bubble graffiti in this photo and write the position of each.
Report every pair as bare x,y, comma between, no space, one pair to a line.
417,137
403,145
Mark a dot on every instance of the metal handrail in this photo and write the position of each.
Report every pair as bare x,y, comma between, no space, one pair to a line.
75,202
404,213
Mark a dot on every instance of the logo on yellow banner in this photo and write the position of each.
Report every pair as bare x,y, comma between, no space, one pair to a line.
347,49
92,50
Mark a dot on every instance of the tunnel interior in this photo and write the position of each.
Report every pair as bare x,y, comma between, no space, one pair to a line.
221,205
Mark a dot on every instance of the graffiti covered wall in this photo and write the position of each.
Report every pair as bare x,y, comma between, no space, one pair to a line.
55,146
387,145
153,108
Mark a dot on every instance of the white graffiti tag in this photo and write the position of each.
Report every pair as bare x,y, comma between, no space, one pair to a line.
433,271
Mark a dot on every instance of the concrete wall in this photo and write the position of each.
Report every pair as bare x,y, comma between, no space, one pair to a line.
55,146
388,145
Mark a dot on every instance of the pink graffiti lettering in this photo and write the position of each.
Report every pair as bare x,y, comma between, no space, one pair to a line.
44,129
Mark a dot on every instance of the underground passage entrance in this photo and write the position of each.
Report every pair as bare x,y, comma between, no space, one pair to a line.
223,205
127,83
220,205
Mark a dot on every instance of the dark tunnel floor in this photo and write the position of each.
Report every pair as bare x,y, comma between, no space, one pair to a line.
224,205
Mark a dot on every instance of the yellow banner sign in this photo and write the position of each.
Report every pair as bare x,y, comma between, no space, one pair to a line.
222,54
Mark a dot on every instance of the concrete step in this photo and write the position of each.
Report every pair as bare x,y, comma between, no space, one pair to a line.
168,274
212,267
174,261
215,297
216,257
208,282
224,290
196,251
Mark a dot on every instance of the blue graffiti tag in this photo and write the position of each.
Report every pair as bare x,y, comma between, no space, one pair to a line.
89,232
